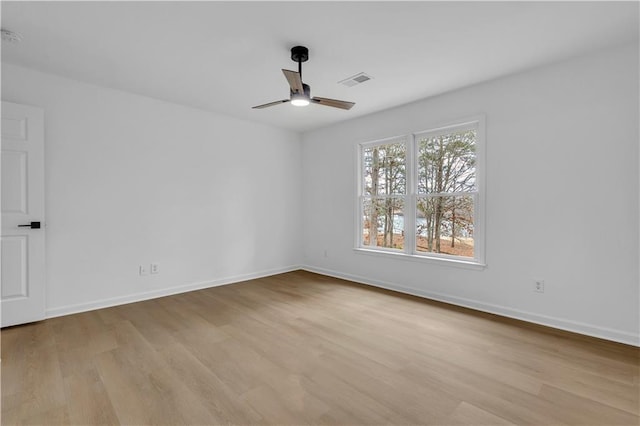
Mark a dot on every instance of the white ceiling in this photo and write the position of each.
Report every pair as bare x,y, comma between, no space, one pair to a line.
226,56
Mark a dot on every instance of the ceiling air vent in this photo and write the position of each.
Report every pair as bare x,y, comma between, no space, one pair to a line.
355,79
10,36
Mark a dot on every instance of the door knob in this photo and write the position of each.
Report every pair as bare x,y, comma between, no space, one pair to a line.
32,225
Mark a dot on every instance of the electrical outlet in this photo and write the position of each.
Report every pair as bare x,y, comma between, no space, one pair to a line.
326,253
143,270
538,286
155,268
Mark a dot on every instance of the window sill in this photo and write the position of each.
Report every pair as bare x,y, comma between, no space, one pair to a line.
464,264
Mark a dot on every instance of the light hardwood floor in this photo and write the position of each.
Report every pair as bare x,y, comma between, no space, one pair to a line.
301,348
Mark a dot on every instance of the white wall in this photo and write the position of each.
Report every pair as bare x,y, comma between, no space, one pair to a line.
132,180
562,196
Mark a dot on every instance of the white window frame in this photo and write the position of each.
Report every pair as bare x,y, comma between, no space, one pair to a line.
411,195
362,196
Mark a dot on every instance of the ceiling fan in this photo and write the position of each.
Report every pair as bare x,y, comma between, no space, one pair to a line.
300,93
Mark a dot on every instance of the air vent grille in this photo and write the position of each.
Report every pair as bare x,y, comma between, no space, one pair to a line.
10,36
355,79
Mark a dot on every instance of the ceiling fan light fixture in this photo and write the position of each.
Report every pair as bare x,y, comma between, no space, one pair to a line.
299,100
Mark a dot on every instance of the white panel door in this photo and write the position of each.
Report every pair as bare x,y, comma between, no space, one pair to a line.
22,244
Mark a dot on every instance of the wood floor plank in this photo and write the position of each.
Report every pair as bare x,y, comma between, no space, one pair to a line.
289,404
419,404
128,395
32,380
347,402
25,416
92,405
301,348
467,413
579,410
144,390
222,402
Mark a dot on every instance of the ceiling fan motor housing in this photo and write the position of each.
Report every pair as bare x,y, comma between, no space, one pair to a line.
307,91
299,54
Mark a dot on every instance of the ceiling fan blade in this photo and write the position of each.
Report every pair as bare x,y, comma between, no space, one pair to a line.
295,81
271,104
333,103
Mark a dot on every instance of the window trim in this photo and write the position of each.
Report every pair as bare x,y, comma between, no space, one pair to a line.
411,195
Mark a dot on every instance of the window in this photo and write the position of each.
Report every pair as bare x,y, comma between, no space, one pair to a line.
385,188
421,195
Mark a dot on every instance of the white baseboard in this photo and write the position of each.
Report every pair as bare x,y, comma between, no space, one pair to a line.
139,297
554,322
